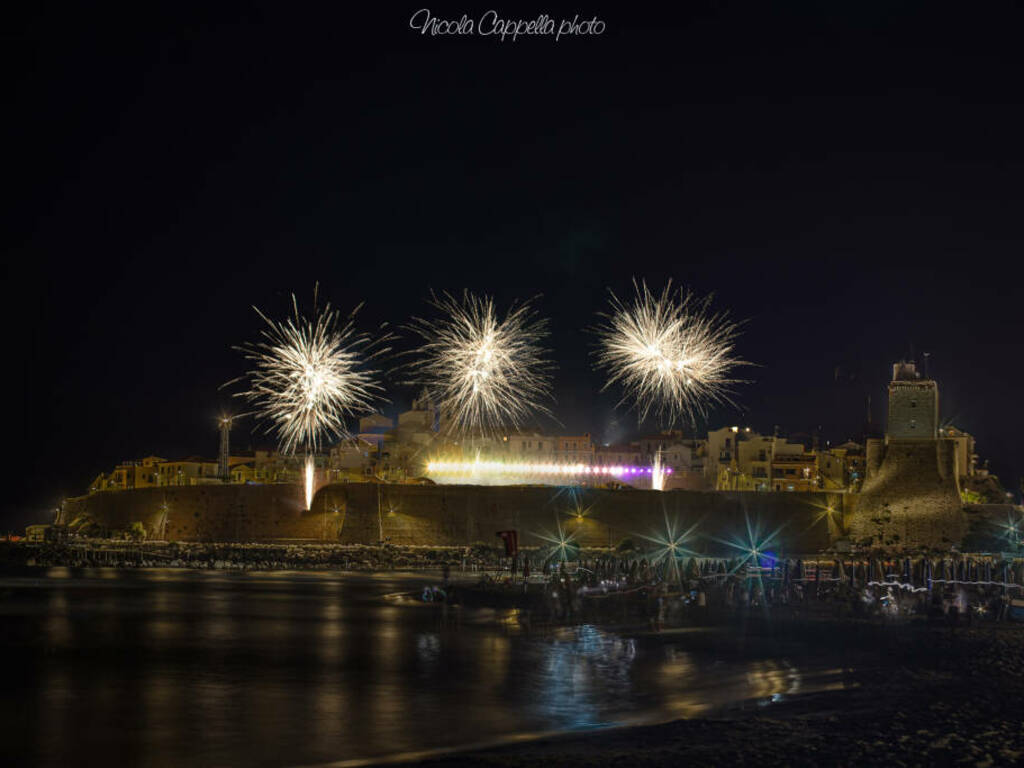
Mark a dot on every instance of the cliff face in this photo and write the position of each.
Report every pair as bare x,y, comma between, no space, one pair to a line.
911,497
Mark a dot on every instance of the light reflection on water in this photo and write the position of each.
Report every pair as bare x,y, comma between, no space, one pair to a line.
179,668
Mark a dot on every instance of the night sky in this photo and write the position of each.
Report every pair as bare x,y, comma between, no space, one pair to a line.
847,179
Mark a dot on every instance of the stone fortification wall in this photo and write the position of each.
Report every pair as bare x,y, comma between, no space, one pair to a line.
459,515
911,498
994,528
201,513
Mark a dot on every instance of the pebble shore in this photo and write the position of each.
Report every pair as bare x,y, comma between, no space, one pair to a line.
937,696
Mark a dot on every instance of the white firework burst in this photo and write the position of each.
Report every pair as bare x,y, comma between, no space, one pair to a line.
671,354
310,374
485,373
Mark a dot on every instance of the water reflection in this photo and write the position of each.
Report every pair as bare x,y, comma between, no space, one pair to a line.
198,669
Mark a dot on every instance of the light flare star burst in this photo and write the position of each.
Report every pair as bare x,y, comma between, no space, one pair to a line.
671,544
562,545
755,545
485,373
309,374
672,355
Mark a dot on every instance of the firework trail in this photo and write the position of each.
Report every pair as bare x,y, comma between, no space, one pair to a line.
309,374
484,372
671,354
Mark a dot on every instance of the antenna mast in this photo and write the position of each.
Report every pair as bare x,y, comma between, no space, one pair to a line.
223,469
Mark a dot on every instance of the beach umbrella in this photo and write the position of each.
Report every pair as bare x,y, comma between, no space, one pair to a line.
928,574
839,574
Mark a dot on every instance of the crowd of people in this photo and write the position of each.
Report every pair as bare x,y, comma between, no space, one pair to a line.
673,592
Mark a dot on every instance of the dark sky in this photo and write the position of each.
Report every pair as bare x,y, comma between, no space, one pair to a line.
847,178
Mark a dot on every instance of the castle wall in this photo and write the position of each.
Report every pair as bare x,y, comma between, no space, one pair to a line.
993,528
450,515
873,453
911,499
202,512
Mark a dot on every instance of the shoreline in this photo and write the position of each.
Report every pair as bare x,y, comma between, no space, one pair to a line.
915,693
938,696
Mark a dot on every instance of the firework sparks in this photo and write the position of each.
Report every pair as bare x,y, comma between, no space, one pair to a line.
672,355
657,472
483,372
309,375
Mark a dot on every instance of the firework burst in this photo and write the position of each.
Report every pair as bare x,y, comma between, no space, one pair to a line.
309,374
671,354
484,372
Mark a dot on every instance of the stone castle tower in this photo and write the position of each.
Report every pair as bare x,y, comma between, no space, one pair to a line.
911,494
913,405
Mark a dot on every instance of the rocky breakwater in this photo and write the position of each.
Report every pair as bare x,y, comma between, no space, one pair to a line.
116,554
